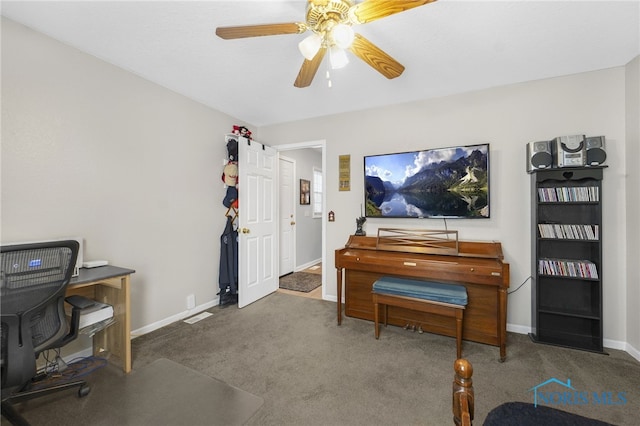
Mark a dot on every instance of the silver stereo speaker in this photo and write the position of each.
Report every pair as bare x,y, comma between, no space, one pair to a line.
539,155
596,154
570,151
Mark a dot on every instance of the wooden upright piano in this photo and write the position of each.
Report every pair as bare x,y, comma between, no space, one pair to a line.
478,266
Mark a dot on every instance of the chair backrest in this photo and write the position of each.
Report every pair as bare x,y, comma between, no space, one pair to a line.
33,282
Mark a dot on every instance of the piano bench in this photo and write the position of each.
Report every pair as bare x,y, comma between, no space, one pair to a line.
448,300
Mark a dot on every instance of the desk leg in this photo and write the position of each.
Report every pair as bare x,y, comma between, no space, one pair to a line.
126,333
116,339
339,296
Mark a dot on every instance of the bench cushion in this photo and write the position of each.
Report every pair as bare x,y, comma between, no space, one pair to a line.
428,290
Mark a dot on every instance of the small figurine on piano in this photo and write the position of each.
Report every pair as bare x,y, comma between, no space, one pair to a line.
360,221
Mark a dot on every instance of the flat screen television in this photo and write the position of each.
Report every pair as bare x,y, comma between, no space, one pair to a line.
435,183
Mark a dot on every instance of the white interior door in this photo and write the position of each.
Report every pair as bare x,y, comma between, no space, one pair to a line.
286,213
257,246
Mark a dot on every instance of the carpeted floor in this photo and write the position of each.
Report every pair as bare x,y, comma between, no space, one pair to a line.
301,281
290,352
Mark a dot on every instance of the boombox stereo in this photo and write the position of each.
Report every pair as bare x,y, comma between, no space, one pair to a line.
596,154
570,151
566,151
539,155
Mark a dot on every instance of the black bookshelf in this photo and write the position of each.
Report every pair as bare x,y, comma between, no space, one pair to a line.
566,266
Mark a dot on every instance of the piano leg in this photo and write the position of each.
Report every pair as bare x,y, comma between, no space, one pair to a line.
502,330
339,295
376,318
459,333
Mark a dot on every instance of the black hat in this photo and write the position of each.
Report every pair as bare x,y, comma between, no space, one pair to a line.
232,195
232,149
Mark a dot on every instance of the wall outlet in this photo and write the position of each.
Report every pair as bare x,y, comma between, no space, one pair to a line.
191,301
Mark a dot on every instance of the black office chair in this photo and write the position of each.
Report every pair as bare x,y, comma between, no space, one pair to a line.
33,281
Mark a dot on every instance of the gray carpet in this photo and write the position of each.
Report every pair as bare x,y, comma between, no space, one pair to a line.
301,281
289,351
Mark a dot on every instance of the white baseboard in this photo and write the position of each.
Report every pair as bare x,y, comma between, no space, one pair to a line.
614,344
519,329
177,317
632,351
607,343
307,265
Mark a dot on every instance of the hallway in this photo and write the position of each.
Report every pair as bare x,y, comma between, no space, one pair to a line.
313,294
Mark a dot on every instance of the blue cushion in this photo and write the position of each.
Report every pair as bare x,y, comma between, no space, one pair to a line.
439,292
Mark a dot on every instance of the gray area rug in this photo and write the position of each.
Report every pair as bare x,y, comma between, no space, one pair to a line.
301,281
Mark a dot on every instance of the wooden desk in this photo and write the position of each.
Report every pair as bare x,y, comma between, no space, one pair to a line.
109,284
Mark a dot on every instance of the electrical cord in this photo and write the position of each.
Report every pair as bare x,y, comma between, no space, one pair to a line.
523,283
509,292
75,369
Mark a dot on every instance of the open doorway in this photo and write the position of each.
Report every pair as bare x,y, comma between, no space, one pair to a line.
301,212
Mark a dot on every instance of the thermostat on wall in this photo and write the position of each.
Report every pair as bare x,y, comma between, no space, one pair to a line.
94,263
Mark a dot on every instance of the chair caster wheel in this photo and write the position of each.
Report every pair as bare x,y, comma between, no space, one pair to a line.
84,391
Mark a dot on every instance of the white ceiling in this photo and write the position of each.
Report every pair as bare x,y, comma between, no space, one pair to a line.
447,47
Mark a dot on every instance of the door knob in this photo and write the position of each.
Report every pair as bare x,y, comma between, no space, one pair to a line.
293,223
245,230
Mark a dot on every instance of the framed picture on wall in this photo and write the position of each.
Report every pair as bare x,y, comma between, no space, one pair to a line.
305,191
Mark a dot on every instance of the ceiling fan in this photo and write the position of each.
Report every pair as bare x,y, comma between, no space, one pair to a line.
330,22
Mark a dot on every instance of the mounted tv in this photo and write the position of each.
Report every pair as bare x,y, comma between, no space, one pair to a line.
435,183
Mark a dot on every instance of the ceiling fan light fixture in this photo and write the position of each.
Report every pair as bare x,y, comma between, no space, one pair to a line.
330,24
342,35
310,46
337,57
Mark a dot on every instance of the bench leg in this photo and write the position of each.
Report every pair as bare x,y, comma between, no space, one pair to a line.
459,333
386,314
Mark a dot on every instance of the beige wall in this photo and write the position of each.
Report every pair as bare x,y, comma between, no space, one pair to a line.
506,117
91,150
633,203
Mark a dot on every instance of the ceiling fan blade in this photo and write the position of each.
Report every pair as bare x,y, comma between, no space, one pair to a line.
309,69
370,10
376,57
228,33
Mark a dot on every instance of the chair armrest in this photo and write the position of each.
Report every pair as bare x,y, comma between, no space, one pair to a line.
78,303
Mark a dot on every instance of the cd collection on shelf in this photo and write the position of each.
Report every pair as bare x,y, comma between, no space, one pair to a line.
568,231
568,268
563,194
